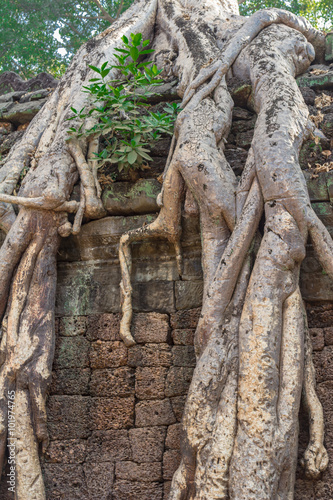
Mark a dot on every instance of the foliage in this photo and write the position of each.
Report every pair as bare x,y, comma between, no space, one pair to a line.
318,12
127,126
33,31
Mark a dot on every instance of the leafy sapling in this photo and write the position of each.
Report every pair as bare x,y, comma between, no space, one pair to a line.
128,127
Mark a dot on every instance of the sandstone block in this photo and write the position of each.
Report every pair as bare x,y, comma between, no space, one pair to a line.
68,451
71,326
107,354
149,382
323,361
71,352
185,319
183,337
151,413
188,294
173,437
178,404
111,413
183,356
136,490
328,336
112,382
68,417
99,478
147,443
171,461
70,381
178,381
318,340
150,355
109,446
154,296
146,472
65,481
103,327
150,328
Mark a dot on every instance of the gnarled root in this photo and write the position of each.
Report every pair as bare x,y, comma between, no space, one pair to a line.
167,225
27,344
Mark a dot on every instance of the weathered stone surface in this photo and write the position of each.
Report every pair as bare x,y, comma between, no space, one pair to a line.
329,47
111,413
324,364
317,82
178,381
185,319
135,490
147,443
154,296
69,451
103,327
317,337
151,328
188,294
171,461
107,354
146,472
151,413
150,355
70,381
183,356
72,326
68,417
125,198
173,437
65,481
309,95
71,352
149,382
12,96
10,81
112,382
104,446
328,336
35,95
183,336
304,490
6,128
99,478
19,113
178,404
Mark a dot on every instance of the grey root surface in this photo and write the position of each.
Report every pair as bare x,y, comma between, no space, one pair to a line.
254,359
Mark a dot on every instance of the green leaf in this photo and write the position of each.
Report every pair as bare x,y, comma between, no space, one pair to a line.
104,65
123,51
74,110
145,43
134,53
125,39
94,69
147,51
131,157
136,39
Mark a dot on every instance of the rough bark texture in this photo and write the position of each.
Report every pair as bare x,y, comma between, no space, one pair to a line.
240,423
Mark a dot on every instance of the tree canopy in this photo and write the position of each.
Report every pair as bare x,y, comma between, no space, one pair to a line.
33,32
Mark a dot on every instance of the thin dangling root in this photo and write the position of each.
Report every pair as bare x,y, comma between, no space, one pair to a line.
80,213
93,163
167,225
315,459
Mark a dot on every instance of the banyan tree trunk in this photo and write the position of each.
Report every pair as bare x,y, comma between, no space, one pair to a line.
240,423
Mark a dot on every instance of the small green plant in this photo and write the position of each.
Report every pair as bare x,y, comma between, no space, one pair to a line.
128,127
